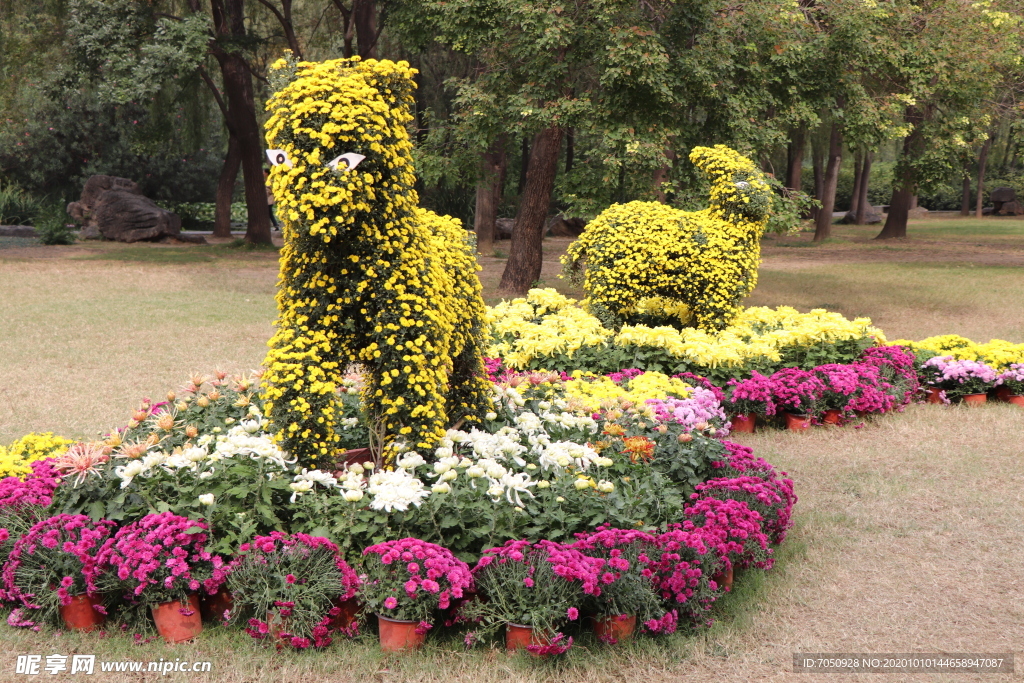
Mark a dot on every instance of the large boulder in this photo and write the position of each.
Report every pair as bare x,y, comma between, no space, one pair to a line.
1002,194
113,208
872,214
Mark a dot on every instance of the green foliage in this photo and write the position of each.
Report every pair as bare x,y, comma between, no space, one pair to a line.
17,207
53,225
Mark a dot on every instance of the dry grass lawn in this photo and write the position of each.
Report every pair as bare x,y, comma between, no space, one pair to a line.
908,531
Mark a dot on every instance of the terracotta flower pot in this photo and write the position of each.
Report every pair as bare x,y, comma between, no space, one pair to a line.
213,607
1016,399
1003,393
724,578
349,613
399,636
934,395
174,626
797,423
744,423
832,417
277,624
974,399
79,614
517,637
615,629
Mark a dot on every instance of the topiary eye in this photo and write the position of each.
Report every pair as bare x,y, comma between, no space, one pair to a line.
345,162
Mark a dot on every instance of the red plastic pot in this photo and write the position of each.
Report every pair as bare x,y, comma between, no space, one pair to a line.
1016,399
724,578
797,423
615,629
975,399
349,613
934,395
517,637
213,607
174,626
398,635
1003,393
79,615
744,423
832,417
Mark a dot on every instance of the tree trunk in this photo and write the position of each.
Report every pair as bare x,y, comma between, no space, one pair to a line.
226,189
823,224
229,22
903,192
526,251
863,204
817,166
965,197
661,175
524,165
570,148
364,15
1007,151
488,196
795,166
858,158
982,160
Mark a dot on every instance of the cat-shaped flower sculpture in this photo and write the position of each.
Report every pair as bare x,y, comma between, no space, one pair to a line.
367,276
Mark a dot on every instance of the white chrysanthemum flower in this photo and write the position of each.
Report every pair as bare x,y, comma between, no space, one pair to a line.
445,463
441,488
475,472
206,499
450,475
411,461
195,454
128,472
353,495
395,490
567,454
605,486
318,477
250,426
300,488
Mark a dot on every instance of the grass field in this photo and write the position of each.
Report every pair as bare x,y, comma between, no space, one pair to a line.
908,530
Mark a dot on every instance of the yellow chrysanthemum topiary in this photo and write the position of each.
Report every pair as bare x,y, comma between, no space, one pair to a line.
15,459
703,263
366,275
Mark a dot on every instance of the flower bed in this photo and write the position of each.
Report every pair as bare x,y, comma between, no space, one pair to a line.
611,495
593,470
546,330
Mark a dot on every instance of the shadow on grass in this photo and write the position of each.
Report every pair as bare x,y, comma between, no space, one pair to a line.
181,255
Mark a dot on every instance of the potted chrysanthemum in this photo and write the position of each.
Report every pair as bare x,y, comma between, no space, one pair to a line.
1011,382
627,590
52,570
407,581
968,380
292,588
161,562
533,589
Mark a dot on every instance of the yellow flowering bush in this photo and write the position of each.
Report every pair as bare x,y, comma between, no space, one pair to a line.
366,275
15,459
594,391
543,324
560,335
997,353
703,263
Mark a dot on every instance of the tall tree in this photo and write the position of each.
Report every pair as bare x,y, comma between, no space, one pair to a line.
946,58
